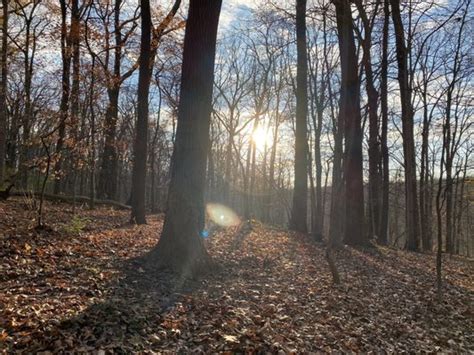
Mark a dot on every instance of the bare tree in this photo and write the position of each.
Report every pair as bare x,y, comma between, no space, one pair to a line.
412,213
180,246
299,217
350,109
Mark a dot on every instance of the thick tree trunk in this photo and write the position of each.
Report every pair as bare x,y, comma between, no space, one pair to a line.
300,192
180,246
350,108
412,217
141,135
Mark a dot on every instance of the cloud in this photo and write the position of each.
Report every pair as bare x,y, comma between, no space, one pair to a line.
235,10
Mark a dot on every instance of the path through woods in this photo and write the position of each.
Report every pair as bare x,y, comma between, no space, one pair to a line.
80,286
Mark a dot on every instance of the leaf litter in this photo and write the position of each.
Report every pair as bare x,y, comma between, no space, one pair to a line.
85,290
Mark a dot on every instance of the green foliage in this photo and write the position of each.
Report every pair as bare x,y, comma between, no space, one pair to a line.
76,225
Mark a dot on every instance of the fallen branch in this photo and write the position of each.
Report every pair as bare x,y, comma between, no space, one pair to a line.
70,199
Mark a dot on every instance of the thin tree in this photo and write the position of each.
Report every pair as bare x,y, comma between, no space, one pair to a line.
65,89
411,212
383,233
3,90
180,246
300,192
372,103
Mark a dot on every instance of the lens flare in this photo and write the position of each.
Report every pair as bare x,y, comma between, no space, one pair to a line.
222,215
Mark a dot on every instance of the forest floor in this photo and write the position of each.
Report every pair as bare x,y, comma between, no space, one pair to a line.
78,286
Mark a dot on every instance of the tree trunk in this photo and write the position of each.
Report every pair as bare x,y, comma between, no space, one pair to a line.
3,91
350,108
93,133
76,56
180,246
64,105
30,44
425,211
108,173
374,145
412,217
300,192
141,135
107,188
383,233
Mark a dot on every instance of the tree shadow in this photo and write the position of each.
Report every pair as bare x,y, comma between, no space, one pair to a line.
145,309
141,309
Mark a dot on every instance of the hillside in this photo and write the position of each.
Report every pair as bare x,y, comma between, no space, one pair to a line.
80,286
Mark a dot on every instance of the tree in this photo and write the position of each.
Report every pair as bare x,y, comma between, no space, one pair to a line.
300,191
148,50
65,92
141,134
411,212
449,141
350,109
180,246
383,233
33,28
374,144
3,90
110,59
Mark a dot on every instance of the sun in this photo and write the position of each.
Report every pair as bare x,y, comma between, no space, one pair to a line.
261,138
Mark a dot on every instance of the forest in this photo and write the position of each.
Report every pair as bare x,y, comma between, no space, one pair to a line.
236,176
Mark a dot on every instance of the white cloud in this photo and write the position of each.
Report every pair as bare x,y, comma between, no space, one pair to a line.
235,10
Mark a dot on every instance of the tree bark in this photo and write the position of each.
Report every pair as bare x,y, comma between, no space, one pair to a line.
383,233
350,108
299,212
65,91
3,91
411,213
180,246
141,135
374,145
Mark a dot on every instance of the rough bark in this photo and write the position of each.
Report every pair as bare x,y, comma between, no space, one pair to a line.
65,91
141,134
300,192
180,246
74,129
350,108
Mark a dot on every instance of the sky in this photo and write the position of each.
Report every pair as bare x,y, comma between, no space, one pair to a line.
235,10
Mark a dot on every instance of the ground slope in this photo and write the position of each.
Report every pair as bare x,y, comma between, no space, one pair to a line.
81,286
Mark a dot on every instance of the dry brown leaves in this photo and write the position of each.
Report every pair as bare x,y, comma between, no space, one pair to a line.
80,286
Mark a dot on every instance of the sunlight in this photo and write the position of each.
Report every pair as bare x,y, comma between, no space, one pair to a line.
222,215
261,137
